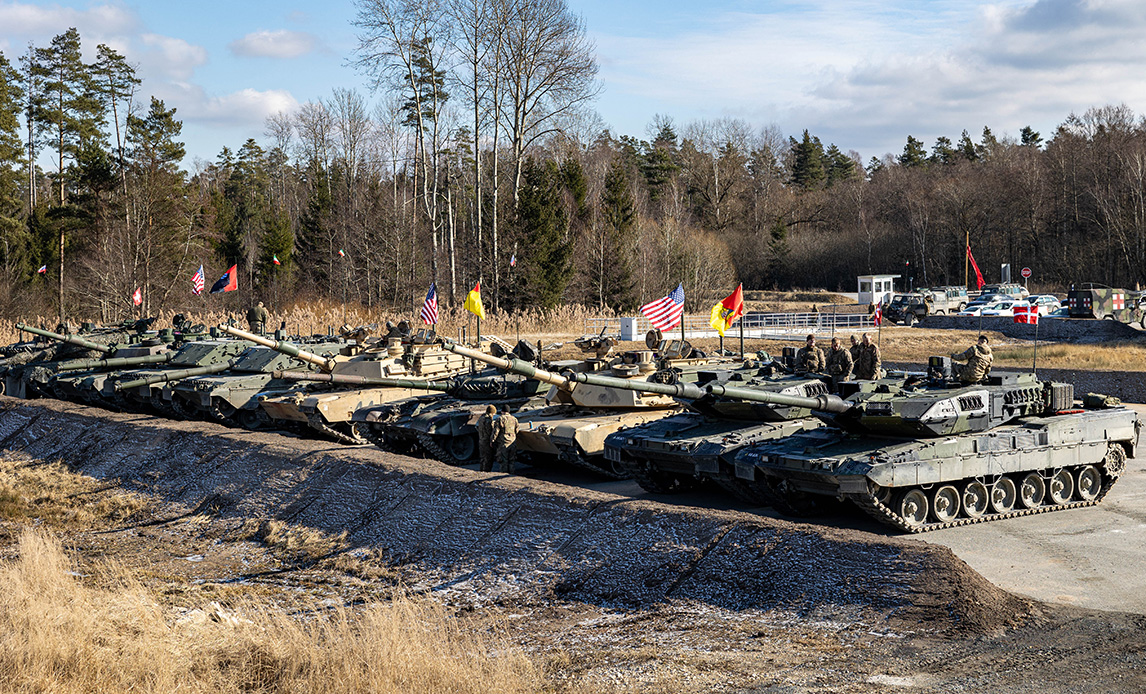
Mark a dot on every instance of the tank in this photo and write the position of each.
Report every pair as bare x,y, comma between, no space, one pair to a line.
578,416
937,453
329,410
139,389
676,453
232,398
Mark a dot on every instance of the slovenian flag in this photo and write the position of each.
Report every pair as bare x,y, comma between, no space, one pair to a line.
43,270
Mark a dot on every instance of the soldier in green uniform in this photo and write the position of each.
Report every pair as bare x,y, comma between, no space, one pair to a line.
505,440
978,358
485,437
867,366
810,358
839,362
854,349
257,318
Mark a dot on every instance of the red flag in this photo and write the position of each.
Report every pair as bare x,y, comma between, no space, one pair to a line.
137,297
229,282
1027,314
877,317
978,275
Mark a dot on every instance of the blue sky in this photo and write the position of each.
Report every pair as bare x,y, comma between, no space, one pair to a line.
862,74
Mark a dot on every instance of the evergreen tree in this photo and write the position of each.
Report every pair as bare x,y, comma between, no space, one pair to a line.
914,153
989,144
10,160
542,224
430,85
615,282
659,161
1030,137
840,166
807,162
943,152
966,149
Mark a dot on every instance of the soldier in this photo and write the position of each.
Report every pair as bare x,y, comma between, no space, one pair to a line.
867,366
505,440
839,362
257,318
810,358
978,358
485,437
392,330
854,349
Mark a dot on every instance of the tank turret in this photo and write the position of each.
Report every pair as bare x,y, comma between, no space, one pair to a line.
175,375
69,339
327,364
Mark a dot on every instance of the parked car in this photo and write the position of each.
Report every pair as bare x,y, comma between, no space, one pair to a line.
974,309
1012,290
981,301
1060,312
1046,303
1003,308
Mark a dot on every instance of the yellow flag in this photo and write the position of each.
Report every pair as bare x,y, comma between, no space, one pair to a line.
726,312
473,302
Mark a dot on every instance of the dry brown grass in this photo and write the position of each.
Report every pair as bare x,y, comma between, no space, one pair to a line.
53,494
298,541
58,634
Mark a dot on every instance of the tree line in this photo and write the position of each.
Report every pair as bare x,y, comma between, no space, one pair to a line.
478,157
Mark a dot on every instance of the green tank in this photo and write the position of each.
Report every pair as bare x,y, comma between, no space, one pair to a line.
329,410
141,389
578,416
937,453
232,398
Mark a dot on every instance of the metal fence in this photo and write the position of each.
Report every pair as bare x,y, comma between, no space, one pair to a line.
775,326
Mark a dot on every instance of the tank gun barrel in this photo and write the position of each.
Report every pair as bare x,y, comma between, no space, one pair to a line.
349,380
113,363
176,375
516,366
676,390
820,403
283,346
69,339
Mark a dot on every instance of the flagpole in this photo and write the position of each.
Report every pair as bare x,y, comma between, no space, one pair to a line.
1035,360
741,338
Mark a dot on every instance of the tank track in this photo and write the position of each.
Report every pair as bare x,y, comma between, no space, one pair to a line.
747,493
655,482
879,511
377,438
325,429
437,452
570,454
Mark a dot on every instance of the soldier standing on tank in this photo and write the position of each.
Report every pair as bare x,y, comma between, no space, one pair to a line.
978,358
810,358
839,362
257,318
505,440
485,437
867,366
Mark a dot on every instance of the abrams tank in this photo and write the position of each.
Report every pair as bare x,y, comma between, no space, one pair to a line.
232,398
938,453
330,412
579,415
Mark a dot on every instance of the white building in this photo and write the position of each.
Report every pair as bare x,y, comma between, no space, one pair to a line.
874,289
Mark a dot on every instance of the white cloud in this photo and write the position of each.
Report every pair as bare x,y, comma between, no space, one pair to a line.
246,108
33,21
171,58
274,44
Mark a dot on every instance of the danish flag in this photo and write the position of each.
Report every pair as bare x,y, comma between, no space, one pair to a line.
1027,314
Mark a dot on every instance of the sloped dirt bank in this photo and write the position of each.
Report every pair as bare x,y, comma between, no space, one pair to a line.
478,537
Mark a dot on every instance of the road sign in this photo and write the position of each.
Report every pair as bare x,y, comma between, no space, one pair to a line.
1026,273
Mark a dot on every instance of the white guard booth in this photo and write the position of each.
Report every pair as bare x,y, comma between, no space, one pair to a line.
874,289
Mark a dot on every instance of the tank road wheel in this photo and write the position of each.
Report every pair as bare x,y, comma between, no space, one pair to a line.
945,504
794,502
912,507
1061,487
1032,490
248,419
976,499
1089,483
463,449
1003,495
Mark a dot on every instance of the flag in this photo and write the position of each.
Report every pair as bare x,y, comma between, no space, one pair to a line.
430,306
978,275
665,313
513,260
877,317
229,282
341,253
43,270
137,297
726,312
1027,314
198,281
473,302
275,260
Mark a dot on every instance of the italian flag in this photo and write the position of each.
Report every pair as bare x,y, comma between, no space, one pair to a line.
275,260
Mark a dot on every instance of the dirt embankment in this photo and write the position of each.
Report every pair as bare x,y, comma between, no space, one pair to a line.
473,537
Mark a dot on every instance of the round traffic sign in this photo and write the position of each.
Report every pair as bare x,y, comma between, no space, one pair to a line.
1026,273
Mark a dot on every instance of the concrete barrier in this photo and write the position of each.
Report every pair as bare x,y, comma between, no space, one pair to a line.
1074,329
488,535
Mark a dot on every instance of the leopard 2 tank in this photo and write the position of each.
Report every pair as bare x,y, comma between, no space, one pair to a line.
939,453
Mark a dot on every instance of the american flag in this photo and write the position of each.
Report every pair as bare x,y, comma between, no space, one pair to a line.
198,282
430,306
665,313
